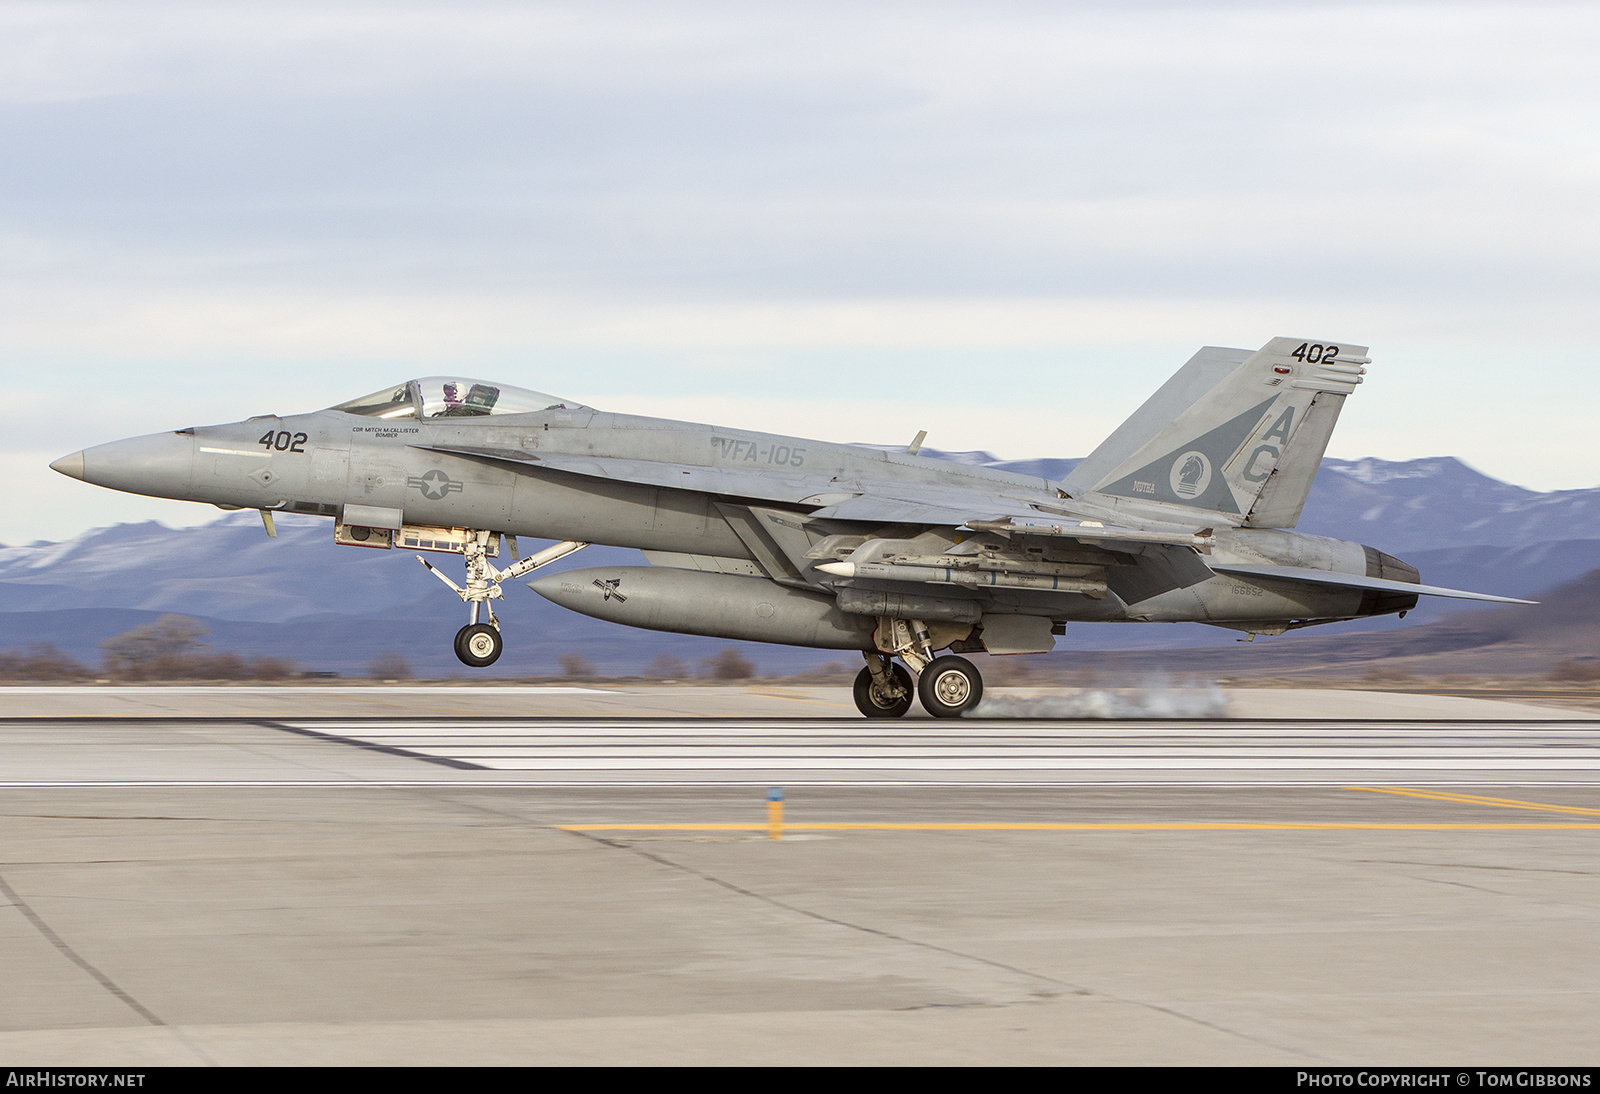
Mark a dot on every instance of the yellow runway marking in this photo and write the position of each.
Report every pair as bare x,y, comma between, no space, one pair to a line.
1474,799
1162,826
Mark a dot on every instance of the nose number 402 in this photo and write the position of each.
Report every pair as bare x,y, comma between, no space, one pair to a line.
283,441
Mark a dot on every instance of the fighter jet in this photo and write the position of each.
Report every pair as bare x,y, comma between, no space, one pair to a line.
1184,514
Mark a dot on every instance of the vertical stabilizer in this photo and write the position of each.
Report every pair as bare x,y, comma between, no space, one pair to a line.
1204,371
1243,446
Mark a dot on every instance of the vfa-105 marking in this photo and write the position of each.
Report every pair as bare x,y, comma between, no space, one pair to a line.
1183,514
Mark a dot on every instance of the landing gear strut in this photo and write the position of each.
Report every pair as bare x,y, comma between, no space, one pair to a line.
948,686
479,644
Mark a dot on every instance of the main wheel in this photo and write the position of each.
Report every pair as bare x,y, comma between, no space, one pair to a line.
950,686
479,645
870,703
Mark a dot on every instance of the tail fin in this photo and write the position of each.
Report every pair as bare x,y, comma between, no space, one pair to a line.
1235,434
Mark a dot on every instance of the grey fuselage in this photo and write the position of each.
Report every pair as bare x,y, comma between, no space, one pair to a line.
526,475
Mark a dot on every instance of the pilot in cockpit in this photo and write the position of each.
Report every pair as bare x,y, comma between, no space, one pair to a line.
452,397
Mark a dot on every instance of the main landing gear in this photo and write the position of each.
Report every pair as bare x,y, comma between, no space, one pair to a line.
883,688
948,686
479,644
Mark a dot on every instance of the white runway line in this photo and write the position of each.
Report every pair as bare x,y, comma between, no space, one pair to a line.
590,746
858,729
508,783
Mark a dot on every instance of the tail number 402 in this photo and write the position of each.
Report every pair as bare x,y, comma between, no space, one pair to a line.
1311,353
283,441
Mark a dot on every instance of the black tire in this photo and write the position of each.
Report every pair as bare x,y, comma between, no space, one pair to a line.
949,687
479,645
868,705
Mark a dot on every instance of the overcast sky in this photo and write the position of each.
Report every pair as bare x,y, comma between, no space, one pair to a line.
1003,223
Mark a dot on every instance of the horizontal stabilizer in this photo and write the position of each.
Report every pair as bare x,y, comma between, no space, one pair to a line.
1356,581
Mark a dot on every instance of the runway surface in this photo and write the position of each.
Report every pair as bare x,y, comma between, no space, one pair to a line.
730,751
181,887
1028,753
757,700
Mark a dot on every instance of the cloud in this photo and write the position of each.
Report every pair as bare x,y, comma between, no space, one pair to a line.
205,207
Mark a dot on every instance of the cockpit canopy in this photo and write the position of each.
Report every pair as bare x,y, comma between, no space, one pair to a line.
453,397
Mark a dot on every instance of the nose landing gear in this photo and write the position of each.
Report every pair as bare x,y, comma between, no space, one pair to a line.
479,645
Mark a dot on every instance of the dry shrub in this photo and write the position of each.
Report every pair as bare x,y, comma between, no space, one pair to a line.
272,668
153,650
1391,674
1574,671
829,672
41,662
170,649
389,666
577,666
667,667
730,664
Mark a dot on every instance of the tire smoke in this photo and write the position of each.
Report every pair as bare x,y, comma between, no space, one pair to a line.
1178,700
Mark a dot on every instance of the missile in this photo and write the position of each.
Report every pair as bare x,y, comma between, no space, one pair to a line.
750,609
948,575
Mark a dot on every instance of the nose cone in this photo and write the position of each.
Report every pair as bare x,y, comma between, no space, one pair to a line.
558,589
70,466
609,593
160,465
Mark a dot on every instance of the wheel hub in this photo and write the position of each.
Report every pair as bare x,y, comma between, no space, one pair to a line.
953,688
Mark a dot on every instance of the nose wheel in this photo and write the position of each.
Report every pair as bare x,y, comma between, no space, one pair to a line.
478,645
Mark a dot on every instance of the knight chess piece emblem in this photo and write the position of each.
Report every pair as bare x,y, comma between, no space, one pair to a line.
1191,474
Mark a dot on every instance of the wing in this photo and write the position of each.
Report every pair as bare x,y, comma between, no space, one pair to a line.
877,501
1173,550
792,487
